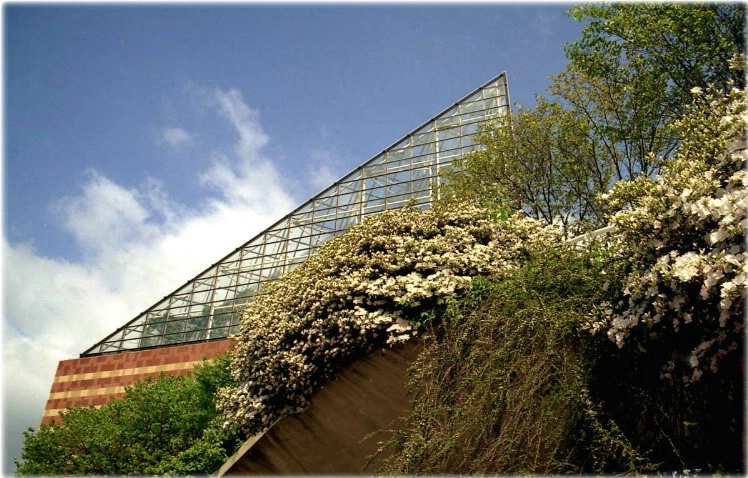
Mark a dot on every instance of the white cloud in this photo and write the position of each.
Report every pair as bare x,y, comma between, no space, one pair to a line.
137,245
325,168
245,120
238,179
105,214
175,137
322,177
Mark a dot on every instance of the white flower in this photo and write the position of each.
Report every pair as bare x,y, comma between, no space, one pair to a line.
693,361
717,236
728,289
687,266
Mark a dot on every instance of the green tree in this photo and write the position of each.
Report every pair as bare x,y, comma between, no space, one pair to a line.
688,45
626,120
610,113
632,71
167,425
543,161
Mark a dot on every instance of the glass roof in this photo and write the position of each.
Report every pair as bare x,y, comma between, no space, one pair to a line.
208,306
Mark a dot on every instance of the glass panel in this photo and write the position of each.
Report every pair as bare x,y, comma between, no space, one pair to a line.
348,199
422,138
449,133
174,333
277,235
448,122
226,281
274,247
324,203
376,200
378,169
244,296
195,328
473,97
449,144
422,150
351,210
474,116
255,250
130,344
448,157
470,107
202,296
421,173
223,294
375,207
398,189
345,223
421,185
219,333
323,214
470,129
398,165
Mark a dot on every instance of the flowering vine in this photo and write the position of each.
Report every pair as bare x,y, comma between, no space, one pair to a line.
362,290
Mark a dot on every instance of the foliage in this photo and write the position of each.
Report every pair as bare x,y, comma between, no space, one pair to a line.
511,382
501,387
362,290
627,120
542,161
166,425
692,45
632,70
680,318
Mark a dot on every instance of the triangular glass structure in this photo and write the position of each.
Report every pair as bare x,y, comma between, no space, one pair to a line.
205,308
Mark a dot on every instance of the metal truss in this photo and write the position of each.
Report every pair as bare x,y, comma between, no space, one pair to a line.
207,307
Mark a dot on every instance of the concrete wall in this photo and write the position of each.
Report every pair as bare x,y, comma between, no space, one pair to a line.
341,428
95,380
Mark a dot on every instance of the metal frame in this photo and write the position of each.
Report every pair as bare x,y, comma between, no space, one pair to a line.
205,307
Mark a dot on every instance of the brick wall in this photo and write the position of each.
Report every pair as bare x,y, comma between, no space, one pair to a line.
95,380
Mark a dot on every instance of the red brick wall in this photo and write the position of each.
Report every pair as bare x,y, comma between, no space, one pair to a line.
95,380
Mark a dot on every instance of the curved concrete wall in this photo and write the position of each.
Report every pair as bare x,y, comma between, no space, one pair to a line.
343,425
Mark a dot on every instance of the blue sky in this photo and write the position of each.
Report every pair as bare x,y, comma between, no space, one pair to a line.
144,142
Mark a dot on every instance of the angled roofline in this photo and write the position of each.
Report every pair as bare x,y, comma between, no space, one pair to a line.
88,352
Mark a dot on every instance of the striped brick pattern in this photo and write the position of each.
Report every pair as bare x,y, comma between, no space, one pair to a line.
95,380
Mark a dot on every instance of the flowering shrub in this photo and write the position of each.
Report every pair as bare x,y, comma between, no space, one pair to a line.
682,234
363,289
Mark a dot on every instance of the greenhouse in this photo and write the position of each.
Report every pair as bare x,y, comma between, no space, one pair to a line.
407,172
